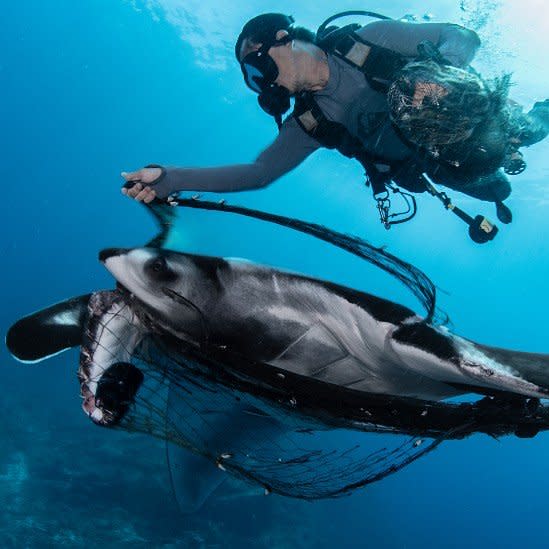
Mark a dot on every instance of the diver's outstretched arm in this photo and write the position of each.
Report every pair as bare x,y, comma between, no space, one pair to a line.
291,147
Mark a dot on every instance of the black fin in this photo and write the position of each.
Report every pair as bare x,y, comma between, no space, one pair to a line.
49,331
505,215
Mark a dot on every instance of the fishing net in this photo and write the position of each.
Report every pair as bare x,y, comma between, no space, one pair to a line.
435,104
266,436
295,436
289,433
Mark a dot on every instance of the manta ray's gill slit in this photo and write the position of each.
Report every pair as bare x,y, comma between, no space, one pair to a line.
182,300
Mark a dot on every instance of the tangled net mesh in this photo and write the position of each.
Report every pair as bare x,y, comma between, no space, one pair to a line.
190,404
437,105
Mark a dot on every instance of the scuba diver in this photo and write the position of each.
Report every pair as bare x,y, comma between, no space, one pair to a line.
399,97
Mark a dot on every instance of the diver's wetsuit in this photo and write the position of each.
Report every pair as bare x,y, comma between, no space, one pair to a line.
348,99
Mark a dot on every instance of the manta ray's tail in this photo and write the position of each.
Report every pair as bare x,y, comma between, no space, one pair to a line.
469,366
529,370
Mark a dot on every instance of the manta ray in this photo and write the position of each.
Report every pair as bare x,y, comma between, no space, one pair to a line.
338,356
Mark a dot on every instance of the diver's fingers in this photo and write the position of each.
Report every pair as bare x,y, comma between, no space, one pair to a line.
150,197
133,191
134,187
146,195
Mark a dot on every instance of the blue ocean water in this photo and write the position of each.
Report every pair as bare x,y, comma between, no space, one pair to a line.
96,87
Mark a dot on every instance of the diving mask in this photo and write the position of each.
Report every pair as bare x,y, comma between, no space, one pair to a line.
260,73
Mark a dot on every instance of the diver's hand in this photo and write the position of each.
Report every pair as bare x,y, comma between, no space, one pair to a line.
141,179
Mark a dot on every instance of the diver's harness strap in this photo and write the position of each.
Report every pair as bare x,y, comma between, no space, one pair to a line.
378,64
332,135
378,172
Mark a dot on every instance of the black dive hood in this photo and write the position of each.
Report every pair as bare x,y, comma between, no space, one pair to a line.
263,29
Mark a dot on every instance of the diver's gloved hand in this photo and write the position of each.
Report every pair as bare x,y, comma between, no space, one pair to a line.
141,184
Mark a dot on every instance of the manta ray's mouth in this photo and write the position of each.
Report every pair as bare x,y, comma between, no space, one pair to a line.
117,322
114,394
108,381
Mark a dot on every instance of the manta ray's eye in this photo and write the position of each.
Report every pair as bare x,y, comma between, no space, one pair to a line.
159,265
158,269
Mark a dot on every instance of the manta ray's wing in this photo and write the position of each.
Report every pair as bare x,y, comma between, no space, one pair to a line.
49,331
